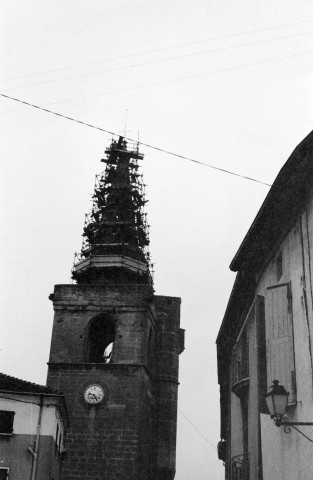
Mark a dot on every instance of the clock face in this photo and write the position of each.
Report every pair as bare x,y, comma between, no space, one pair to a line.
93,394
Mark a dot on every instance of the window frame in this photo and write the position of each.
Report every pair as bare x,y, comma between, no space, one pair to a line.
10,422
7,471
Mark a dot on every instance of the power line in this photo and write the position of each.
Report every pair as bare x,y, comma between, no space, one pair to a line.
132,140
204,52
187,77
222,37
197,430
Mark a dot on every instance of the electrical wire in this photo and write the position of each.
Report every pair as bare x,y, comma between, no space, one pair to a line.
197,430
161,82
247,32
204,52
132,140
58,394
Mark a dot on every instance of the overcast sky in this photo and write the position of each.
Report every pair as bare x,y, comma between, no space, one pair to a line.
228,83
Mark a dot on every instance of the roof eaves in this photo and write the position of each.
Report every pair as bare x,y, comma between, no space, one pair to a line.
291,177
13,384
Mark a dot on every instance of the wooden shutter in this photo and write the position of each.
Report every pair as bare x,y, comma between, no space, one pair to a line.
279,339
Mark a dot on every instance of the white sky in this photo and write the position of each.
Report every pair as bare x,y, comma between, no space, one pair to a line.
246,119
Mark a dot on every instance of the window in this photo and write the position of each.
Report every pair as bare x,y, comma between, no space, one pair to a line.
6,422
4,473
58,446
100,340
279,339
261,352
240,359
279,266
56,439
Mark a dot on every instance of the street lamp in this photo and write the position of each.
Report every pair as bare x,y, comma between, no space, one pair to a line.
276,400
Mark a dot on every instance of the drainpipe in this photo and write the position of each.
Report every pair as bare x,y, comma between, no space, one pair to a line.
36,450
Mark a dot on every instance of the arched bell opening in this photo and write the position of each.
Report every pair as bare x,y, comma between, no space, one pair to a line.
100,340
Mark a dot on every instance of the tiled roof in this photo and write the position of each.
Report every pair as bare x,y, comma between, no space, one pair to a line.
12,384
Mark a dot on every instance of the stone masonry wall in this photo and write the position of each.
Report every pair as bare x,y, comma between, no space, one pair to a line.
103,441
76,305
131,434
110,440
169,344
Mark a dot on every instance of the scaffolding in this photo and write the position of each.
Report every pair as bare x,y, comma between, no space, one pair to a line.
117,224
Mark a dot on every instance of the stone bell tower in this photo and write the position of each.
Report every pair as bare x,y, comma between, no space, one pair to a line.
115,345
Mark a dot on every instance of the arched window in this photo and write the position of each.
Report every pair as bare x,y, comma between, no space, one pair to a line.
101,336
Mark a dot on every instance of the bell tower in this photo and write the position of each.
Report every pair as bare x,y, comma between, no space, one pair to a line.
115,344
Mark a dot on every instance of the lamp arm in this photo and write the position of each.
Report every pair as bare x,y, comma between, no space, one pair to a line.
287,428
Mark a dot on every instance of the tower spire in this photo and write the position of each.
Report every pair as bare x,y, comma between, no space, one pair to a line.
116,240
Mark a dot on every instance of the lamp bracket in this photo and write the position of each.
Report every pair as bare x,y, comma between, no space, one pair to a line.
287,428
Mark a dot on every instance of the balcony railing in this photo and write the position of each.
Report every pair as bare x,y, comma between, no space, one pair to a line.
240,368
240,469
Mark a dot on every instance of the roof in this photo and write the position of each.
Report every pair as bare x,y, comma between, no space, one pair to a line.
275,218
284,201
12,384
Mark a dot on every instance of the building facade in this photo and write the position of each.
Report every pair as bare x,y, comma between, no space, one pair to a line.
33,423
115,344
267,333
